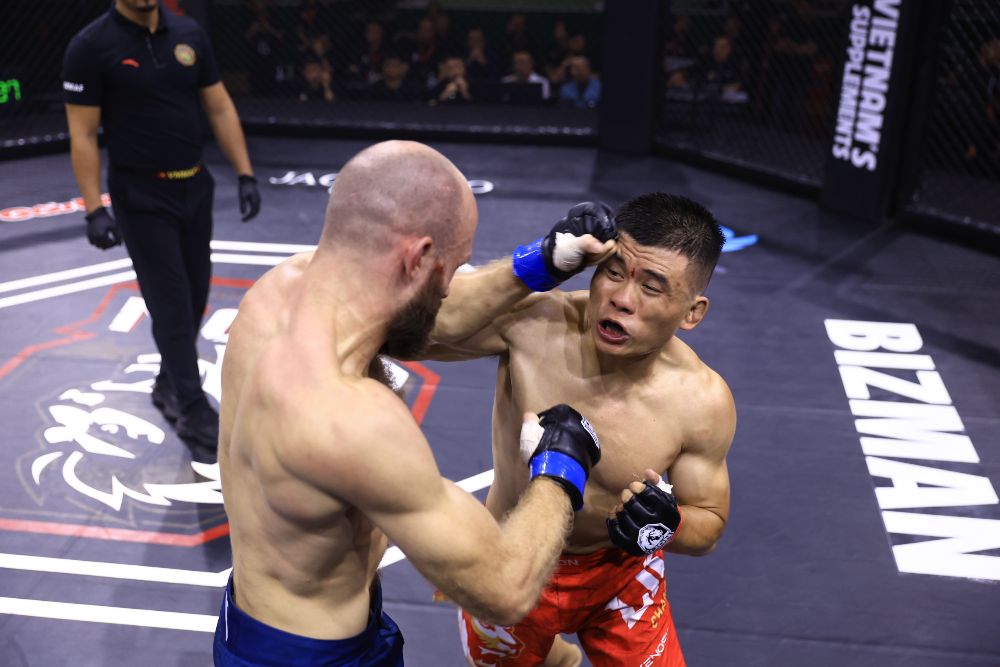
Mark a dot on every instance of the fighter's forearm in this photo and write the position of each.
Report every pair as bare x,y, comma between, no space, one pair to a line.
229,134
86,159
699,532
534,534
476,299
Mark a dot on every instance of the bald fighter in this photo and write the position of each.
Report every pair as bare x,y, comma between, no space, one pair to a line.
321,461
613,353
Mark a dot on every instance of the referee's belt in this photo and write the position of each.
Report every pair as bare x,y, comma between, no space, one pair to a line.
178,174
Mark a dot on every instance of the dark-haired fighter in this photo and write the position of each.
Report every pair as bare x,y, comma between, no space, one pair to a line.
612,353
322,463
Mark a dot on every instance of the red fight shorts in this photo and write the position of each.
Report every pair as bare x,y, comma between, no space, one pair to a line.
614,602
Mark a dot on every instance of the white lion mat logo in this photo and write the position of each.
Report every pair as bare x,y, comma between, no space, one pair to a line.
107,453
88,429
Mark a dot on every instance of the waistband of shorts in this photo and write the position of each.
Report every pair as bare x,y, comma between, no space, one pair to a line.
249,638
569,562
163,174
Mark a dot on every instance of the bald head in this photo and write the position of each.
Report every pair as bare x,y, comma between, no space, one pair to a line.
398,188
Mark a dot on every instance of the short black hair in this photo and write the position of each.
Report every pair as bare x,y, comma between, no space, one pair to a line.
676,223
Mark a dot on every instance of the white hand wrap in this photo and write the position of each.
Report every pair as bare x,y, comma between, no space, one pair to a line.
531,435
661,485
568,252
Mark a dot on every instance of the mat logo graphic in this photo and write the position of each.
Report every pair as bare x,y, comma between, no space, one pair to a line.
106,452
733,243
932,485
307,179
47,209
89,428
104,447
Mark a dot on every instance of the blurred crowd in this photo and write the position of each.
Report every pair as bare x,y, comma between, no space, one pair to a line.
772,61
315,56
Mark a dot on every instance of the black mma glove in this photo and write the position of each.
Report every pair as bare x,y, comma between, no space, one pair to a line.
249,197
566,451
558,256
647,522
102,230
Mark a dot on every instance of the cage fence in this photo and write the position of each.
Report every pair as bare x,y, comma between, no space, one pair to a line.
958,175
752,83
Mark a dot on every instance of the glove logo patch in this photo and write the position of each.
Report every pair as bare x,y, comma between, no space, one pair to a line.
590,429
653,536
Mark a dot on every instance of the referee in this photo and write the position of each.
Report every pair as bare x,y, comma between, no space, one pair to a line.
145,75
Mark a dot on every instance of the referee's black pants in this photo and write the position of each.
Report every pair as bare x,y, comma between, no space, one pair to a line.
167,226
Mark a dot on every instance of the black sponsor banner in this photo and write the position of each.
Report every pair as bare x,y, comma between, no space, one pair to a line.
871,111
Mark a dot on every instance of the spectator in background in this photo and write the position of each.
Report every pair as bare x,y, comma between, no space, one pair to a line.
523,67
447,40
317,71
558,46
576,46
722,76
583,90
426,54
452,86
396,84
516,36
368,68
310,24
791,64
983,151
267,71
680,56
680,43
480,61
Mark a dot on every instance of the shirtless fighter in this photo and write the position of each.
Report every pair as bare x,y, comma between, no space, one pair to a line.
322,463
612,353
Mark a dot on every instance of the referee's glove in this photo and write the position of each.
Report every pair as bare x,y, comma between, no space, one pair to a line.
102,230
249,197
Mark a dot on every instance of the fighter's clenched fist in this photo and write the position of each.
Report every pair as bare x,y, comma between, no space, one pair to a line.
585,236
565,448
648,519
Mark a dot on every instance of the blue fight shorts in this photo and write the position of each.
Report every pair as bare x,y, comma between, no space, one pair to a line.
242,641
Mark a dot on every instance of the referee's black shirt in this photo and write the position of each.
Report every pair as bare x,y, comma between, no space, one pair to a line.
147,86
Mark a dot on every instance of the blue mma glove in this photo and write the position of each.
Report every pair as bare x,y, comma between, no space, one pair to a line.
558,256
565,449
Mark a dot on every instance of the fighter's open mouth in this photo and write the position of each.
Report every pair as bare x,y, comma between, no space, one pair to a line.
612,327
612,332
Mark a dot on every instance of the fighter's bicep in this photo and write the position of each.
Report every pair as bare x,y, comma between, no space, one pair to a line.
701,481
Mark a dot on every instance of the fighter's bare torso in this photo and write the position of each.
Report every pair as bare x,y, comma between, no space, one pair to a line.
644,421
303,559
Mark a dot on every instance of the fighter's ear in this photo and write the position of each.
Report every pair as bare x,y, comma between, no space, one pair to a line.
417,254
696,313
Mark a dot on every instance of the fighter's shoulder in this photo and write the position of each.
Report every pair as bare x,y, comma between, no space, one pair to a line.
546,307
708,402
359,409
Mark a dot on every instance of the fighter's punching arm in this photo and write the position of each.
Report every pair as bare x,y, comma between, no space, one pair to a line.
495,571
467,325
689,514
